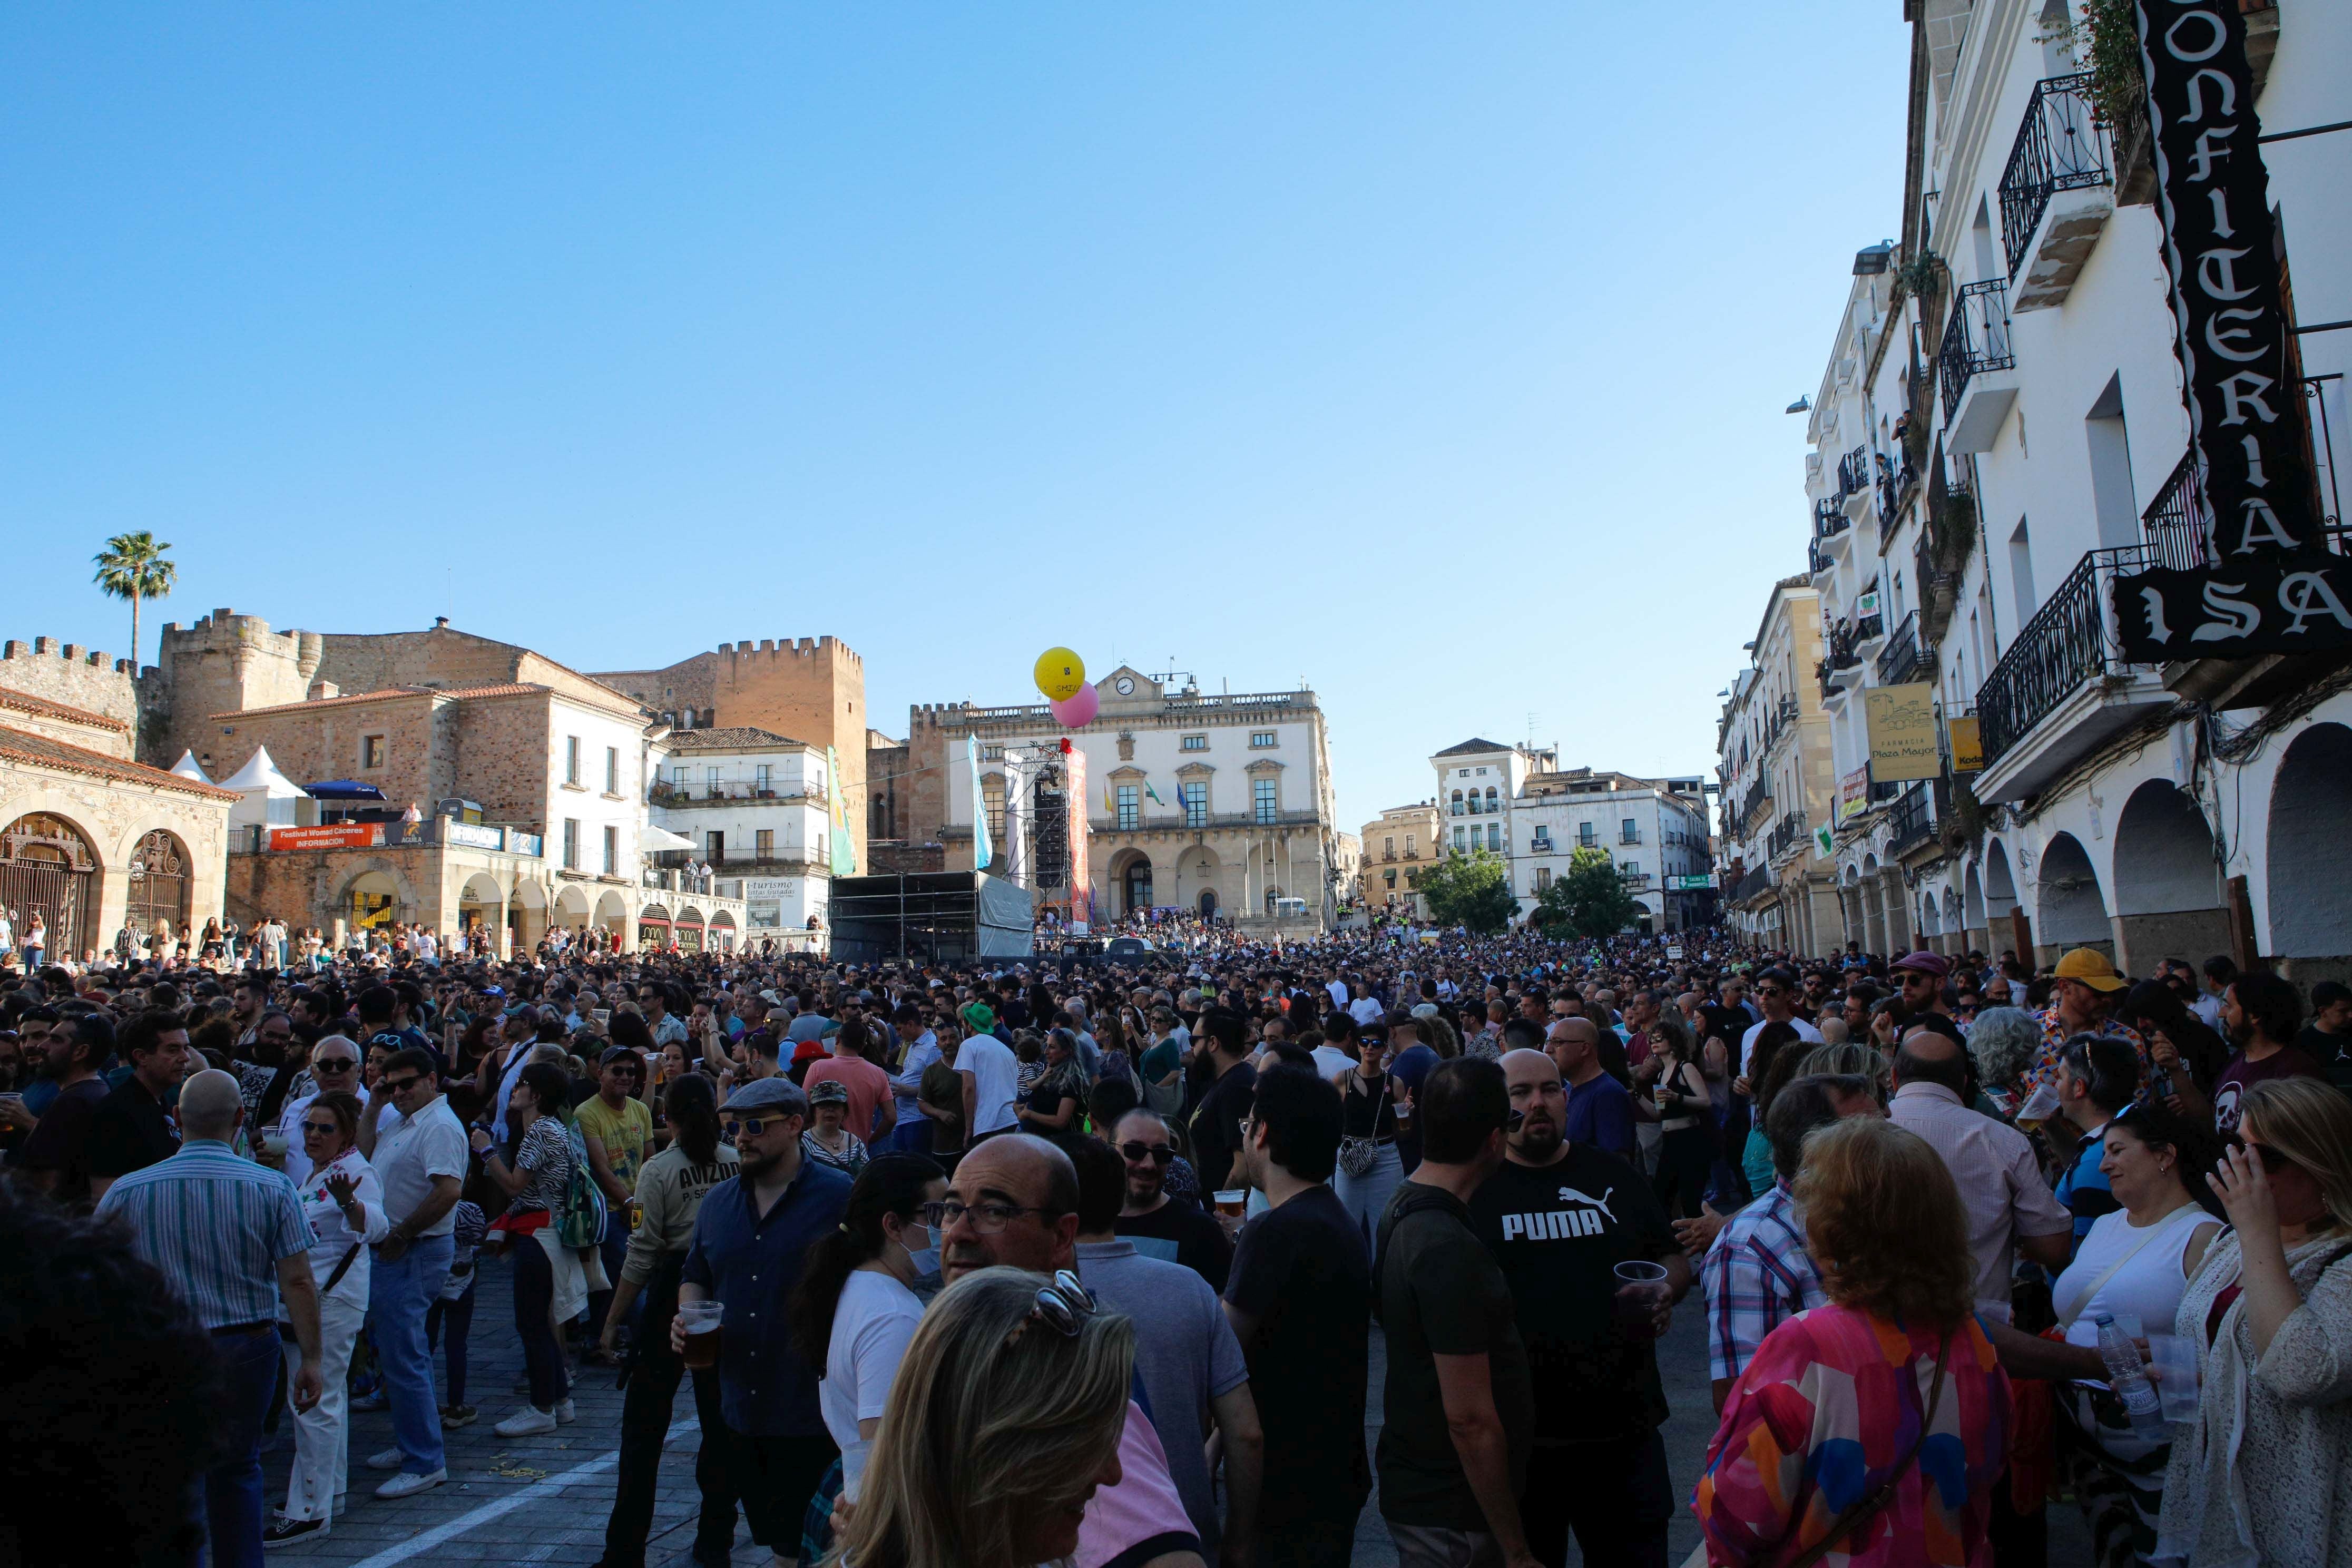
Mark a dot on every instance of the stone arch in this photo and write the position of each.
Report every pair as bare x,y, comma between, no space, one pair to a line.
2310,852
1931,917
373,896
526,916
49,865
612,914
1132,888
481,909
1972,899
2168,884
159,882
2069,910
1999,883
571,906
1200,874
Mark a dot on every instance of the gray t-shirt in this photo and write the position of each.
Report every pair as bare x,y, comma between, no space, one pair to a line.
1185,1353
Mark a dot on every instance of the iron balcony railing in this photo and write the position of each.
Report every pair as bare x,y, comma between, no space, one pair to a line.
2068,641
1789,831
2180,529
1749,886
1910,822
2059,147
1828,521
1976,337
1854,472
1901,658
1817,557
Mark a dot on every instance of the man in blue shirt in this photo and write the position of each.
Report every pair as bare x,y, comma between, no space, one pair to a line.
2097,1077
750,1235
1600,1111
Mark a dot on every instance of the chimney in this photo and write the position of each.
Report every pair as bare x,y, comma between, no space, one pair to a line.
322,689
440,623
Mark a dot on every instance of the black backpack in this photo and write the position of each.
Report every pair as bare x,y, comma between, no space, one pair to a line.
1416,1197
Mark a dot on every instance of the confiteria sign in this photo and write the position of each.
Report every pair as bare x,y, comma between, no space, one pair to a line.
2268,584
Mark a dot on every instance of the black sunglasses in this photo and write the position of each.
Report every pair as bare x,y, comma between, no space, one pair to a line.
333,1064
402,1085
1158,1153
2273,1161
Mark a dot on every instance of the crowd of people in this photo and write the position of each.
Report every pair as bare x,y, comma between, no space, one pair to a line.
1084,1261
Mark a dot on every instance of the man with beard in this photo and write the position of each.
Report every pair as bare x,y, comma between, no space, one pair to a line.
1162,1227
1014,1203
1560,1217
750,1236
55,1155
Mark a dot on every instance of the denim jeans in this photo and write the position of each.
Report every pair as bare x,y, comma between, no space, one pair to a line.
399,1293
1366,1197
232,1487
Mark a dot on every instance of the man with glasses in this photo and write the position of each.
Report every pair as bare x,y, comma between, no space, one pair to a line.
750,1236
1159,1225
413,1138
1013,1202
334,1069
1922,976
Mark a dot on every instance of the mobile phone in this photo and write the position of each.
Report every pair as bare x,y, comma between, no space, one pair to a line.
601,1014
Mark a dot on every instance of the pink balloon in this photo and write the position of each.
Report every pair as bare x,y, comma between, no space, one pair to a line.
1078,709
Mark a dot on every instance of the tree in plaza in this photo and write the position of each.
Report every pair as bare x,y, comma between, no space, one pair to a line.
1472,891
133,566
1588,899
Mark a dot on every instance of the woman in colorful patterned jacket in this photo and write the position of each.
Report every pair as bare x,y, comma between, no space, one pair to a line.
1873,1428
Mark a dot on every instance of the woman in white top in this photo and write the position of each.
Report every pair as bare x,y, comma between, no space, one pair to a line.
2135,1264
854,1308
344,1201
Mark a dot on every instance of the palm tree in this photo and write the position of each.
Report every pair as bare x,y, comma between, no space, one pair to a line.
132,567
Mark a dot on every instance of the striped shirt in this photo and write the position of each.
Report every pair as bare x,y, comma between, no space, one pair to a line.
216,1226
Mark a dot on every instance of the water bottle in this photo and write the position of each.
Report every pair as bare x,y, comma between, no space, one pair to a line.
2129,1381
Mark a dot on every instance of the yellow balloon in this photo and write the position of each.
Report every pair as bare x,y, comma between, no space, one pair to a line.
1060,673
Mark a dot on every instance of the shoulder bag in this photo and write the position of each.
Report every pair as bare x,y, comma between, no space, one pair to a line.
1867,1508
1359,1155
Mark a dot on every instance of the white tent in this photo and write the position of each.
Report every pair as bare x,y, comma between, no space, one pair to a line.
652,840
270,795
187,767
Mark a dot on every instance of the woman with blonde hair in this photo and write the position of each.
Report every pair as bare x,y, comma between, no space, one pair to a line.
1875,1427
1005,1418
2264,1473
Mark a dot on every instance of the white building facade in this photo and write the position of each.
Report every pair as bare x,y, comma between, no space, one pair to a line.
1218,805
2003,433
757,807
1517,803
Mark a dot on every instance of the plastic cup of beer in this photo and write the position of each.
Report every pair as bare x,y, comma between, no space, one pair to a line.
1642,1289
702,1320
1233,1201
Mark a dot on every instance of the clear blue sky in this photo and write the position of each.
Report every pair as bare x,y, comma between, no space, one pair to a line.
1435,355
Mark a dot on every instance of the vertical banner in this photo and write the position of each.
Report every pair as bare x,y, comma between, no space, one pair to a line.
2258,580
1903,745
1967,745
844,849
979,805
1081,877
1854,794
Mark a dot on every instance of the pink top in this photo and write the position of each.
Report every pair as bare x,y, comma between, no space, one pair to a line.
1143,1507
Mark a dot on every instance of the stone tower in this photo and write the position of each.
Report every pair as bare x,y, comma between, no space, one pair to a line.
812,691
224,661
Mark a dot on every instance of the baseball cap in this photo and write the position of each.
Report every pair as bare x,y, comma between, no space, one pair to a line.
1934,963
828,1091
2090,966
774,1094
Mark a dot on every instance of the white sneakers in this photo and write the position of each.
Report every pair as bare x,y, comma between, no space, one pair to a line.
527,1421
564,1414
386,1459
409,1485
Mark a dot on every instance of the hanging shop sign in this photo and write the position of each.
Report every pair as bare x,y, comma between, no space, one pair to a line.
1903,740
1854,794
2266,583
1967,737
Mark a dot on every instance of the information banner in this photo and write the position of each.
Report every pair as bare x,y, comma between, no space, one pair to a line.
342,836
1854,794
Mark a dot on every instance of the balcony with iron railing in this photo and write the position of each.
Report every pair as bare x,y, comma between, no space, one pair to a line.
1817,559
1976,367
2062,688
1902,658
2180,529
2057,192
1916,809
1787,833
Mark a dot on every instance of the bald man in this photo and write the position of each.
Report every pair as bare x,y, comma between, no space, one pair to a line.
1014,1202
1600,1112
1560,1217
230,1237
2009,1205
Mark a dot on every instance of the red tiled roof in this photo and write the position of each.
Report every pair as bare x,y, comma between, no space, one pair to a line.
40,752
26,702
506,689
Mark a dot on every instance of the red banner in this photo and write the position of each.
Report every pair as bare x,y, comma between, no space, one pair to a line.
343,835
